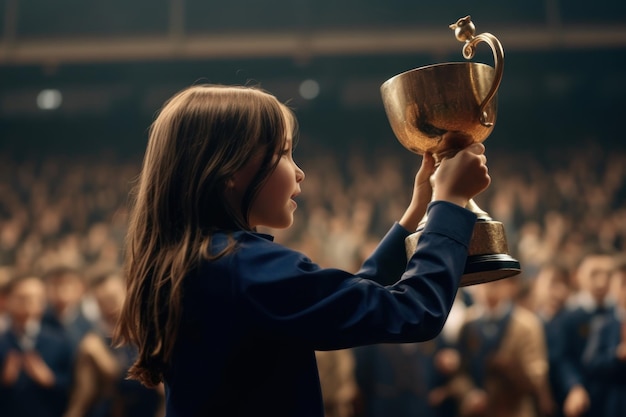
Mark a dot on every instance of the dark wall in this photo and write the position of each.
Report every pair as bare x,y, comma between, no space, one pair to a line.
548,97
545,98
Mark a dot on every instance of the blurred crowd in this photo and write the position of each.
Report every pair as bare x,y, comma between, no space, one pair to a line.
548,342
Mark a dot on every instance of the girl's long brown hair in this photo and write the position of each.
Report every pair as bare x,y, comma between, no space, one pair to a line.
201,137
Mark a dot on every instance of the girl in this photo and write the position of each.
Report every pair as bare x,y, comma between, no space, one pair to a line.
228,319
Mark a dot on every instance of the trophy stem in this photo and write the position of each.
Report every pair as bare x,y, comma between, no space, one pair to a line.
480,213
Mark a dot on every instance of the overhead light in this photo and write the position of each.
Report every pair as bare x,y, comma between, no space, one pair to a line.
309,89
49,99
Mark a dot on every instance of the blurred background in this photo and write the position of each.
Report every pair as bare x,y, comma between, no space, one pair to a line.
81,81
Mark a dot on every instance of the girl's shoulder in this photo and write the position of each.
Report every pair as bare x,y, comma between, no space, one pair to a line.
253,258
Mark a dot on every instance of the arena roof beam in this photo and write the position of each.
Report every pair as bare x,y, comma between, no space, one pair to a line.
291,44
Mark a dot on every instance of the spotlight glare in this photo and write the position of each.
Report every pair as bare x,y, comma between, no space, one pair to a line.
309,89
49,99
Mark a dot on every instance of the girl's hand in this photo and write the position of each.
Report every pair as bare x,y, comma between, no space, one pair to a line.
460,178
422,194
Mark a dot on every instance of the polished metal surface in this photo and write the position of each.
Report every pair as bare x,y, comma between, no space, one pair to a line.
442,109
488,258
438,107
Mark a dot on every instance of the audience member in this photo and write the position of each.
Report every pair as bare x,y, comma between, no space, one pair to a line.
61,210
101,388
605,361
35,359
550,291
65,287
337,379
592,306
5,279
504,366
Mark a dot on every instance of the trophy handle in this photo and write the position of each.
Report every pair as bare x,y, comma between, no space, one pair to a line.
464,30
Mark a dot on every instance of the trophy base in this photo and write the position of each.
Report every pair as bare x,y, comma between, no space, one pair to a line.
488,254
486,268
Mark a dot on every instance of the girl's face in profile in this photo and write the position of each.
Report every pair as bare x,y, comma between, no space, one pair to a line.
274,205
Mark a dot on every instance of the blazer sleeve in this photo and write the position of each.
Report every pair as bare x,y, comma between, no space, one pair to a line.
283,292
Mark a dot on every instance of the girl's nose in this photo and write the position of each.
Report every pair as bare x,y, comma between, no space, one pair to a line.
299,174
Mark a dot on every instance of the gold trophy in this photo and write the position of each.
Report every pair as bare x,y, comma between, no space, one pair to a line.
442,109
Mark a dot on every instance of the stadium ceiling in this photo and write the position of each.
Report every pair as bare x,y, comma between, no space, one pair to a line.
93,31
291,44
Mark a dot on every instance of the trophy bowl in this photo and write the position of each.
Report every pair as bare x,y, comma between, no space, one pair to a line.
441,109
437,108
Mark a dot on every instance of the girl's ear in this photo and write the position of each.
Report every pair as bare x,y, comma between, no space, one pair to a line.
240,180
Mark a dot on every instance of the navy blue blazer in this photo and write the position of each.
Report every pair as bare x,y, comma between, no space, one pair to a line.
553,328
75,329
26,397
608,372
252,319
396,379
579,333
576,331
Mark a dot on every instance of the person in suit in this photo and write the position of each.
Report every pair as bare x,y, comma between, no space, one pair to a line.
337,379
606,364
395,379
549,293
101,389
592,306
410,379
35,359
65,288
504,365
6,274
